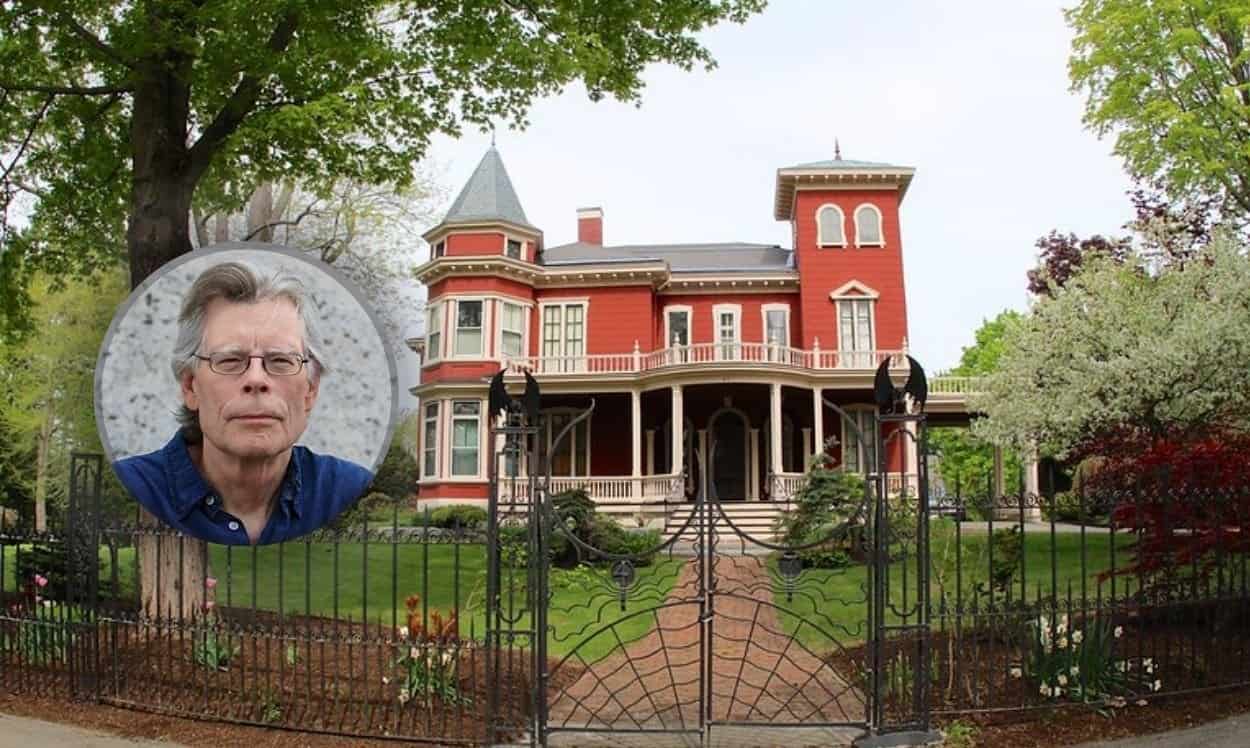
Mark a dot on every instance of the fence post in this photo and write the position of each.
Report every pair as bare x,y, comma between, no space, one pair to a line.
81,547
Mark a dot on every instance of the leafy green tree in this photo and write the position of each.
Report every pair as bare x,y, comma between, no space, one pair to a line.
966,461
1163,351
47,383
1171,80
120,116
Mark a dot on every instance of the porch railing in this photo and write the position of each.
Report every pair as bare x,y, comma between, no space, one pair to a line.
785,485
603,489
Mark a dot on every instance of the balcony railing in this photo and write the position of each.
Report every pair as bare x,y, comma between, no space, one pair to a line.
702,354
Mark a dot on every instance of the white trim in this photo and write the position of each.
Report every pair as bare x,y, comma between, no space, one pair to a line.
862,291
563,303
423,446
483,353
717,311
440,304
482,445
820,240
880,225
668,333
525,328
872,324
775,307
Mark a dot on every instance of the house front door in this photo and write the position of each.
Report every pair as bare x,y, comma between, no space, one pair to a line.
729,456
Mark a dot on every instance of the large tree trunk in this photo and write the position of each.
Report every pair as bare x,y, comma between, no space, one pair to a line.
42,457
172,568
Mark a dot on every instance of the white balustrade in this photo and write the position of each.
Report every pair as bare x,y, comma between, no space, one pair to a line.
603,489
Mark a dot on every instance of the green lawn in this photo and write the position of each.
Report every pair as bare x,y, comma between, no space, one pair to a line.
831,605
322,579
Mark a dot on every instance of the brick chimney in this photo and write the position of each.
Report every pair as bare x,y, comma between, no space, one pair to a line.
590,226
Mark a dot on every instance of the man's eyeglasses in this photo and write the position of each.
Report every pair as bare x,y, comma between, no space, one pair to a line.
276,364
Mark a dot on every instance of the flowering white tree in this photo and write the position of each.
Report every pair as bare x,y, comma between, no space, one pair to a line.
1161,348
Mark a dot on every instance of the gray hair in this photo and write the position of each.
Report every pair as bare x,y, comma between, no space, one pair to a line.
238,284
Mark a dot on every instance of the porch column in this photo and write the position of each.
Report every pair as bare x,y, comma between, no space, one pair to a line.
702,447
997,485
635,403
912,460
1032,509
818,419
807,447
678,423
650,451
753,476
774,427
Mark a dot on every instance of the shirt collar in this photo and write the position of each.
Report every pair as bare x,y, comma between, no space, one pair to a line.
190,488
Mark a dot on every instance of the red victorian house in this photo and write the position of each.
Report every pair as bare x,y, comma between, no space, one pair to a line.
679,345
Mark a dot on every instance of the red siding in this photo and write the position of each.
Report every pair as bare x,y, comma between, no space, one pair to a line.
487,243
823,270
752,320
479,285
616,316
454,491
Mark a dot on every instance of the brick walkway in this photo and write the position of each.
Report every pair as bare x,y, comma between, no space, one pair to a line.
759,673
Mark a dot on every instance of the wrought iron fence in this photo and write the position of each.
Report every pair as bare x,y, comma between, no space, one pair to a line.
378,627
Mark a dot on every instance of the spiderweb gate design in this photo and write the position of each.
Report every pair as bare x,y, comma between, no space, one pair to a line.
712,634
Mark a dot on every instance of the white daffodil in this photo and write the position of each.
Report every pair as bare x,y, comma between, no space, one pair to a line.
1077,636
1017,672
1063,679
404,696
1063,643
1075,670
1156,685
1119,631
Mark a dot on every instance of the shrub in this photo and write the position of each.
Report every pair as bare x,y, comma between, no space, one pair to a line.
828,507
358,513
454,517
1007,548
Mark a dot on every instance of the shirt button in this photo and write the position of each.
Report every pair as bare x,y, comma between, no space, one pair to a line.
212,500
233,525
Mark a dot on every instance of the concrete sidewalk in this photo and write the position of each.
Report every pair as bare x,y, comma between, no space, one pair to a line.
22,732
1233,732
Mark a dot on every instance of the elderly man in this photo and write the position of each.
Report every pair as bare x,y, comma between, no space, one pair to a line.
248,362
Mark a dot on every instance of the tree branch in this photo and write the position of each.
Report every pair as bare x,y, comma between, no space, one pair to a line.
240,104
15,87
274,224
96,42
21,150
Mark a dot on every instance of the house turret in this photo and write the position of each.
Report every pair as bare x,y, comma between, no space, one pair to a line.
486,218
844,219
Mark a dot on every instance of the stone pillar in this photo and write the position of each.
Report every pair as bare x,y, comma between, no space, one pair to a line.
635,402
650,451
705,469
753,468
818,419
677,431
1032,486
997,486
774,428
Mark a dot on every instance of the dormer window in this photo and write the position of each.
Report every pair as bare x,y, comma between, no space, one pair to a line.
868,226
513,249
829,231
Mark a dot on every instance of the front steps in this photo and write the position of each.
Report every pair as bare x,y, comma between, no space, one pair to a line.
754,519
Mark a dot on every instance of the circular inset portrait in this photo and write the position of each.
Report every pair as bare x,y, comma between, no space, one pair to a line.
245,395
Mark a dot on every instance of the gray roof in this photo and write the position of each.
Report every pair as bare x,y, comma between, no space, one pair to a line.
717,257
488,195
845,163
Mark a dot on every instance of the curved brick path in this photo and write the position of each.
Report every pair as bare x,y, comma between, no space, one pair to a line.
759,674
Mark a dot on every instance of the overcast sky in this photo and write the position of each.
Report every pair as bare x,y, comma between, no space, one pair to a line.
974,95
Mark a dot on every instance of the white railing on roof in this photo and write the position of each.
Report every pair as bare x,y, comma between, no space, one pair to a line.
701,354
948,385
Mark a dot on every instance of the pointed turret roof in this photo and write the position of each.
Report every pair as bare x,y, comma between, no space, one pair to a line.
488,196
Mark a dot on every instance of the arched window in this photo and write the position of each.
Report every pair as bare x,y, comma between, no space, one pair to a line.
868,226
829,231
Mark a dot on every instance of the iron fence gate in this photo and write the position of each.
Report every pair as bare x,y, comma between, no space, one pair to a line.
712,631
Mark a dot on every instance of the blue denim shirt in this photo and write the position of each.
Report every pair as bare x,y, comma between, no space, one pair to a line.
315,489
